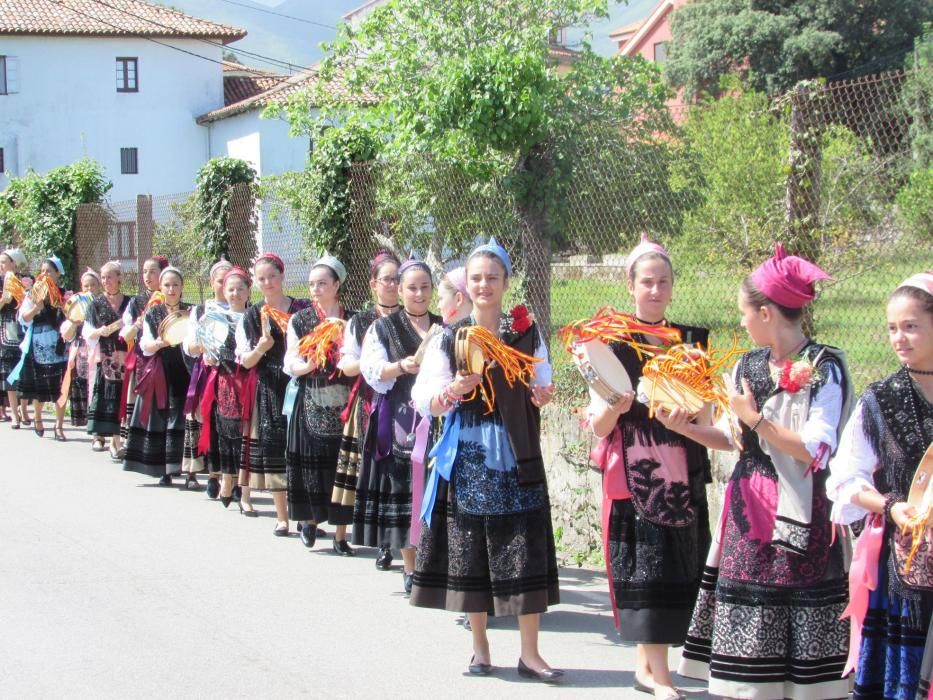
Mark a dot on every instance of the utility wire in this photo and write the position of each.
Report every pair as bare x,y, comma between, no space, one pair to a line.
279,14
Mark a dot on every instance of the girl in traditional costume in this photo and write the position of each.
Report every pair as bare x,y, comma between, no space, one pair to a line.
453,299
318,394
11,335
382,515
132,326
656,536
487,544
107,360
156,439
881,449
221,403
75,384
260,348
42,365
193,462
766,623
383,281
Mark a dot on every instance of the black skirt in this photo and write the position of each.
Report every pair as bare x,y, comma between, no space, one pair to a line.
382,513
104,406
311,454
264,450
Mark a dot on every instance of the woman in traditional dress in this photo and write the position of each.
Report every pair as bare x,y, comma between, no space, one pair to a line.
42,366
382,514
132,326
192,462
453,299
383,281
766,623
260,348
657,538
107,351
881,448
487,545
11,260
156,439
319,395
222,403
77,369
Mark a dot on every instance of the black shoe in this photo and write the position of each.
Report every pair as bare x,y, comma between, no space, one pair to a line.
166,480
308,535
384,559
320,532
342,548
406,582
237,493
476,669
213,488
551,675
191,482
226,500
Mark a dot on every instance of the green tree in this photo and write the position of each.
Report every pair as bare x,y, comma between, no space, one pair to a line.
39,210
468,87
225,209
179,240
780,43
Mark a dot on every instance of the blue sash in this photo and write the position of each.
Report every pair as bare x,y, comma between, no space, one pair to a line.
291,395
444,453
24,347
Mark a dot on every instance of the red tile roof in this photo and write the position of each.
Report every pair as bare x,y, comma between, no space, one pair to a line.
279,94
107,18
238,88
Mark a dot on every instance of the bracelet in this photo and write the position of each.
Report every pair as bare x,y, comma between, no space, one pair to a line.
761,417
889,501
451,397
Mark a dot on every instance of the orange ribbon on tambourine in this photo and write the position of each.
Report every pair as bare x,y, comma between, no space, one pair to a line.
516,365
322,344
920,497
156,299
609,325
280,318
45,288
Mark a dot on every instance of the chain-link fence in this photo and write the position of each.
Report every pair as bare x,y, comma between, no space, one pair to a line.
821,169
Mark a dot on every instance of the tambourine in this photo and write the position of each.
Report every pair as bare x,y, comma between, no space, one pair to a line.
468,356
174,327
601,369
78,307
920,495
213,329
668,393
434,330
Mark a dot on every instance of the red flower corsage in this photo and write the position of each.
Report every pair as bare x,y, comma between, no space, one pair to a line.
521,319
797,375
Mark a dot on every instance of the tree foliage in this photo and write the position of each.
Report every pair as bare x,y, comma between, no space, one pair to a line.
180,241
225,216
470,88
39,210
780,43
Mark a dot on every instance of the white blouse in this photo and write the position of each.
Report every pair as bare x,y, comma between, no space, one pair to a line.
436,373
191,337
292,358
24,308
373,358
851,470
351,349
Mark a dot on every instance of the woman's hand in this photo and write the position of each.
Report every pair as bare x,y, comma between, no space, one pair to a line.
901,513
542,395
623,404
408,365
300,369
744,405
676,420
463,384
196,349
210,360
265,343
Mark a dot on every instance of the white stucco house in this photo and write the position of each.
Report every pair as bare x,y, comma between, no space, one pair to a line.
119,81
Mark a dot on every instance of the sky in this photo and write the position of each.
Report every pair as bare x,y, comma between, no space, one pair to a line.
276,40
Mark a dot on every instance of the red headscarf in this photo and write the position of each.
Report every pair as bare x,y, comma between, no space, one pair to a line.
788,280
238,272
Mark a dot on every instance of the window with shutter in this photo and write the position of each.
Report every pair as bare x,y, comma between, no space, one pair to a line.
129,164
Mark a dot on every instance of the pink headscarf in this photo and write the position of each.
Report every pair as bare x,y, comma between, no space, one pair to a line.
787,280
271,258
457,279
644,247
922,280
238,272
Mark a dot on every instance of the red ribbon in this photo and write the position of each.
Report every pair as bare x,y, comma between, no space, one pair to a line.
152,387
130,368
207,410
345,413
249,398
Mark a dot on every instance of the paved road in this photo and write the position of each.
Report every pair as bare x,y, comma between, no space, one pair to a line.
113,587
